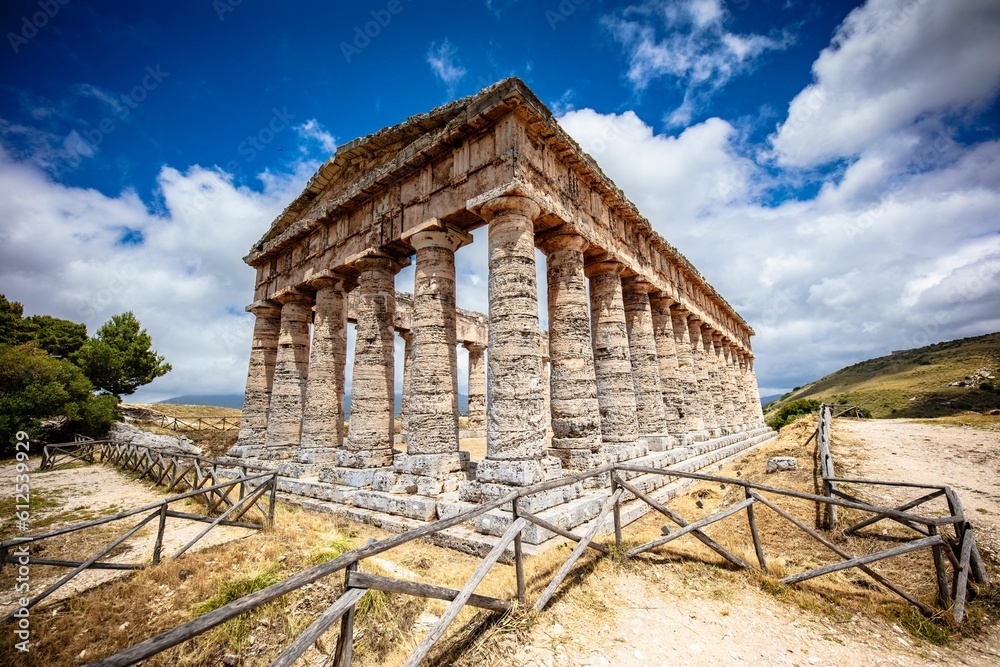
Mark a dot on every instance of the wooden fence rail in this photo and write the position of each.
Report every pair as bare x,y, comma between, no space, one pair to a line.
250,489
962,550
223,423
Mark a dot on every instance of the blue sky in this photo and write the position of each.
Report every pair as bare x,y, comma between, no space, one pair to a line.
833,168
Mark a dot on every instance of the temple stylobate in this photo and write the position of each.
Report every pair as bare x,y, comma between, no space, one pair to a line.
642,361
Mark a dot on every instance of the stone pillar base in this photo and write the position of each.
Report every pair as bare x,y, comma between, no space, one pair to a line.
424,474
260,452
619,452
368,458
659,442
581,460
356,477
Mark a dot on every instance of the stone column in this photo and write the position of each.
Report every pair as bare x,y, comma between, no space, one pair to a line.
642,351
728,414
703,396
515,434
687,373
546,393
257,399
756,408
612,362
370,435
739,391
291,368
710,375
433,406
576,421
477,387
323,417
404,408
741,379
666,354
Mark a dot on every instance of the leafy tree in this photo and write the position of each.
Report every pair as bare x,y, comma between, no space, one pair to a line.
121,358
60,338
790,411
13,328
35,387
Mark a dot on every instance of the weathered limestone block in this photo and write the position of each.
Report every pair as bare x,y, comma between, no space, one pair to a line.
781,464
432,420
323,417
370,435
291,368
612,362
666,355
264,350
516,425
477,387
642,351
576,423
687,371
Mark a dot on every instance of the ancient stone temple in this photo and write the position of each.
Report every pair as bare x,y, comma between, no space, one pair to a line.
642,361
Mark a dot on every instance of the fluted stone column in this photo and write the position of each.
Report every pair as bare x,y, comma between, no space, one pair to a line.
404,408
687,371
546,393
323,416
477,387
642,351
433,407
666,355
370,434
728,419
612,362
739,391
291,368
515,434
756,407
576,421
257,399
741,379
713,389
700,374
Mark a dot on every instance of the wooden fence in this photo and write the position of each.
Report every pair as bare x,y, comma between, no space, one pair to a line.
960,550
626,486
228,502
194,423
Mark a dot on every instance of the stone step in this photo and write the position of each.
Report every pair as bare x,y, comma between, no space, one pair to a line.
576,513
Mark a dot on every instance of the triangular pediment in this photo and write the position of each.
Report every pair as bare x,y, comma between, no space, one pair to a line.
365,155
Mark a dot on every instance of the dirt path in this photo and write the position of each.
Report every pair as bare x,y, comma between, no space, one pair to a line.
86,492
966,459
675,618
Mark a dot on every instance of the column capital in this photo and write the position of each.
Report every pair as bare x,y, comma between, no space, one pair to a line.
603,266
508,203
662,299
370,259
474,347
639,285
435,233
293,295
405,334
563,237
332,279
264,307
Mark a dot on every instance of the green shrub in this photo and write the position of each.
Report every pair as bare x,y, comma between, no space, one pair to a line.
789,412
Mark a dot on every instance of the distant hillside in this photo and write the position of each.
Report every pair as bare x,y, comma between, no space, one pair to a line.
764,400
933,381
217,400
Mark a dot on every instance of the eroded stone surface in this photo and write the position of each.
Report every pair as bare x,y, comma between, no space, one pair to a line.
642,351
291,366
263,351
576,424
612,361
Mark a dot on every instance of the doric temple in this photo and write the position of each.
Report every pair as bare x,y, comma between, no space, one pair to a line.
643,360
